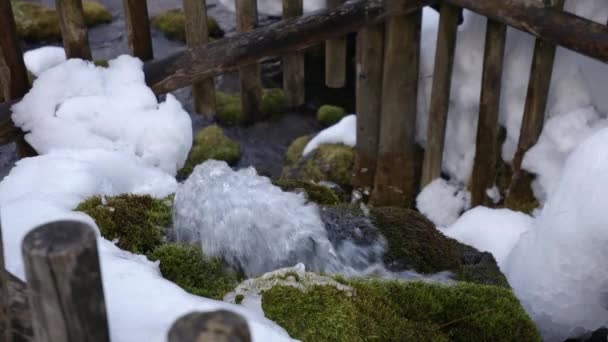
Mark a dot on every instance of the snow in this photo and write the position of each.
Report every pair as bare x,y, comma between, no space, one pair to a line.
275,7
442,202
44,58
343,132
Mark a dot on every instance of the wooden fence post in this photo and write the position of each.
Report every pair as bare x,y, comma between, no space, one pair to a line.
73,29
370,54
5,320
395,181
17,82
534,110
440,94
335,57
64,283
293,63
486,150
214,326
138,29
250,75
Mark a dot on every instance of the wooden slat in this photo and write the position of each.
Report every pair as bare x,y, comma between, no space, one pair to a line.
335,57
250,75
293,63
486,150
138,29
12,56
73,29
370,55
197,34
395,181
440,94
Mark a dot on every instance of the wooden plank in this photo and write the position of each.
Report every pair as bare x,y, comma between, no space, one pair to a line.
549,23
197,34
73,29
64,283
221,325
137,24
535,107
370,55
17,82
486,150
335,57
440,94
5,319
250,75
293,63
395,181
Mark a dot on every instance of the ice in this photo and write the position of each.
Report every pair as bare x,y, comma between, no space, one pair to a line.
275,7
44,58
344,132
442,202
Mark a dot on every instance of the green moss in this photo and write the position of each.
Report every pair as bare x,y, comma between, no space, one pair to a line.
101,63
37,23
329,115
172,23
211,143
238,299
189,268
399,311
319,194
294,151
136,221
274,102
229,109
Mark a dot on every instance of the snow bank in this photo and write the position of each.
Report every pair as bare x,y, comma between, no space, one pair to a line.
275,7
343,132
44,58
442,202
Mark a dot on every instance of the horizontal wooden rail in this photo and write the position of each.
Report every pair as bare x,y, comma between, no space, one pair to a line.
552,25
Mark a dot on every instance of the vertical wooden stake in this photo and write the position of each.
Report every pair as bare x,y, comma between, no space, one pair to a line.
486,149
395,181
370,54
138,29
251,83
440,94
335,57
197,34
293,63
5,320
213,326
73,29
17,82
64,283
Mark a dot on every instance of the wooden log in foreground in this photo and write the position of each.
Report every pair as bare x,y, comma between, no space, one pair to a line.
213,326
293,64
73,29
64,283
138,29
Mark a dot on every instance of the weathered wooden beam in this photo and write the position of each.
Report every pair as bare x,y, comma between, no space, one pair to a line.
395,180
73,29
5,319
138,29
486,150
213,326
335,56
64,283
370,55
183,68
440,94
293,63
12,56
549,23
19,310
197,34
8,131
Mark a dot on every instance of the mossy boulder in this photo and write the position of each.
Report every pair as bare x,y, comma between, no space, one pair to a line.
328,115
135,222
211,143
188,267
332,162
172,24
376,310
229,109
38,23
317,193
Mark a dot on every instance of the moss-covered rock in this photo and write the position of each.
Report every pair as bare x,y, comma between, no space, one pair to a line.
135,222
328,115
189,268
399,311
101,63
172,24
229,110
317,193
37,23
211,143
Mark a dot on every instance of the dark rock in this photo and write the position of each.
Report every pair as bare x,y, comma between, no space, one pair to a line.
599,335
217,326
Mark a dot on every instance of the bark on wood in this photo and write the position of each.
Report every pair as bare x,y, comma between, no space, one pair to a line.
5,320
138,29
549,23
250,75
64,283
214,326
335,57
73,29
440,94
293,63
370,55
17,81
395,181
486,150
19,310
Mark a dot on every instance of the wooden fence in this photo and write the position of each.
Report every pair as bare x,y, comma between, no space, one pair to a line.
388,53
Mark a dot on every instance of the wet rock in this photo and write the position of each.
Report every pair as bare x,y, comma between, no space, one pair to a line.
599,335
216,326
210,143
172,24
